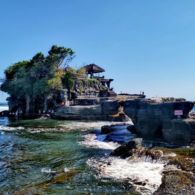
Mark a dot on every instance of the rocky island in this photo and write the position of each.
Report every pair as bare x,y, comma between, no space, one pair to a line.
157,135
50,86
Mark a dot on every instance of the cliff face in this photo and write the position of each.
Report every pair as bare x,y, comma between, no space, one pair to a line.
157,120
178,131
86,86
152,120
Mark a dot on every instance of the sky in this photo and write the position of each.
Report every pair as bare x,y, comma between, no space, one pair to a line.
144,45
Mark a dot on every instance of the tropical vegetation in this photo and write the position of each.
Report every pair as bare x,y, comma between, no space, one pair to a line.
32,83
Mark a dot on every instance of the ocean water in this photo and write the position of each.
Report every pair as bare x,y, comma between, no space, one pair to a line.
34,161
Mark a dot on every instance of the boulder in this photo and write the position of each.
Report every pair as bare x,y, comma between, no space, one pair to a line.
122,151
137,143
125,150
106,129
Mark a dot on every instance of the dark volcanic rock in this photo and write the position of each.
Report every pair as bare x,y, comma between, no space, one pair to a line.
122,151
137,143
106,129
125,150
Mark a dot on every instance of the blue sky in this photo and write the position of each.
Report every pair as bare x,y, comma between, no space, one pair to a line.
145,45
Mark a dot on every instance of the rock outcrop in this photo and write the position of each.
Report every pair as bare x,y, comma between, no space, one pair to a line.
126,150
151,120
102,111
157,120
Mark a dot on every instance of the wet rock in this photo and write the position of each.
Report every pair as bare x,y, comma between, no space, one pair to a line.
25,191
106,129
140,183
64,176
130,187
186,164
176,182
179,173
126,150
153,154
122,151
135,143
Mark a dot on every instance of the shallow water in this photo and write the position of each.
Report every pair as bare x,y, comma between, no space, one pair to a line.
51,163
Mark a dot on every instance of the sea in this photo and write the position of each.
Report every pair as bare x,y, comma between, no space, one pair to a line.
71,158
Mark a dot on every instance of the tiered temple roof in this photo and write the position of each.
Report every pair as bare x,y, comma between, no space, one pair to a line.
93,68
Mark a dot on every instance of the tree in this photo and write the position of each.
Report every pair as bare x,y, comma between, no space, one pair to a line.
33,81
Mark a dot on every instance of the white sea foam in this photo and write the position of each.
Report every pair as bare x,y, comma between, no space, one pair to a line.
145,176
135,171
89,125
71,126
6,128
90,140
67,126
47,170
66,170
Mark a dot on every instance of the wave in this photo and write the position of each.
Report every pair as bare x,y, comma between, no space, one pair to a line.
6,128
90,140
88,125
67,126
47,170
145,176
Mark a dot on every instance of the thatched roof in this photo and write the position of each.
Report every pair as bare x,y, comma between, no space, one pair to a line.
93,68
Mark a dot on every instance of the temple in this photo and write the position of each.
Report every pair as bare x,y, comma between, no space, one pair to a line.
93,69
90,86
